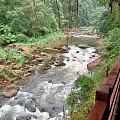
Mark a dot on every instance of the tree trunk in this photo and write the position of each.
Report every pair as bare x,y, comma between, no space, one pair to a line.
70,15
59,18
77,13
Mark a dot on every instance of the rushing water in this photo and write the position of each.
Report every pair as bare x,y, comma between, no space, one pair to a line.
44,95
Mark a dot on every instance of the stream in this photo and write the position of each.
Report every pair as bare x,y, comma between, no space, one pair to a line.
44,95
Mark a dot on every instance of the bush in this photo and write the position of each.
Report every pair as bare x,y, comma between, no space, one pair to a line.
21,38
3,54
7,39
82,89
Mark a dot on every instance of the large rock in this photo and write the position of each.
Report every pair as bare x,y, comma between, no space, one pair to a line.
26,117
83,46
10,91
51,50
25,49
11,46
17,72
30,107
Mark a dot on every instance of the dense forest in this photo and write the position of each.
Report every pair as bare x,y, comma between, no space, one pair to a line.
36,17
29,28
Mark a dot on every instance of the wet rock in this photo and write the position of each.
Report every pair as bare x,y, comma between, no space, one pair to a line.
83,46
30,107
67,59
60,64
26,117
77,51
53,110
21,102
94,52
63,83
10,91
42,110
50,81
73,59
90,57
93,55
12,103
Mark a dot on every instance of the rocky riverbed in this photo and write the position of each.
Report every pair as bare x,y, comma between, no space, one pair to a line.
44,95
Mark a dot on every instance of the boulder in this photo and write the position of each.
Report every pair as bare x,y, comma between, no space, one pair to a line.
25,49
51,50
17,72
10,91
30,107
83,46
26,117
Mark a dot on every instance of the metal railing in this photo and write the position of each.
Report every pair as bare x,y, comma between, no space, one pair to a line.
106,96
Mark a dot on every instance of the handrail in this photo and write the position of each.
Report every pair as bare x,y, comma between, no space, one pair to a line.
106,96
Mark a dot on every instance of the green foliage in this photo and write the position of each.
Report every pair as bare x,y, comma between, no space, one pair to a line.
3,54
7,39
91,42
103,22
43,40
83,86
86,84
111,46
21,38
18,58
106,18
26,18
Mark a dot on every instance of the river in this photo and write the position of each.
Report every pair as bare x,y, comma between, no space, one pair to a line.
43,96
